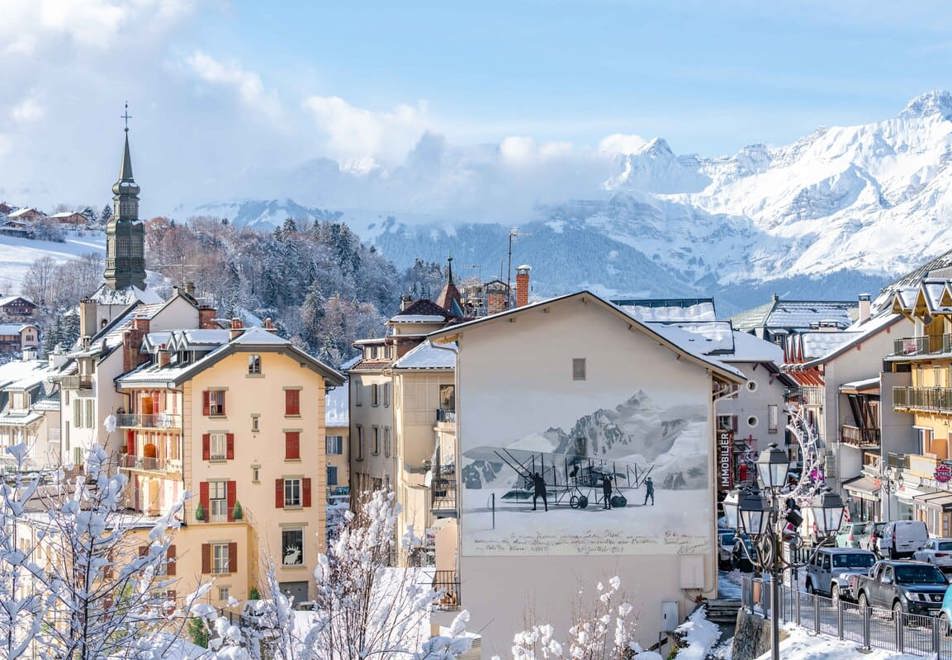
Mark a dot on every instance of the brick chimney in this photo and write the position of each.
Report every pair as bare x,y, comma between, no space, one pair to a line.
237,327
162,356
864,307
132,342
522,285
269,325
206,317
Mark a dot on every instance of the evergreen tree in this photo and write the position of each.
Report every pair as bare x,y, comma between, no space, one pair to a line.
106,214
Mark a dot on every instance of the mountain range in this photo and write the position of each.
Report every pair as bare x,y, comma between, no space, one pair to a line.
840,211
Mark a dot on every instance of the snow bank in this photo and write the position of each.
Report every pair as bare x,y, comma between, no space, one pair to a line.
700,634
803,645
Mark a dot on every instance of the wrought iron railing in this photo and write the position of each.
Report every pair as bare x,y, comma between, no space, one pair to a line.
446,586
150,463
857,437
158,421
923,345
923,398
443,494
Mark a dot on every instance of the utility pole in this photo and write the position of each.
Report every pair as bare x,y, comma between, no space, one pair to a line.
512,234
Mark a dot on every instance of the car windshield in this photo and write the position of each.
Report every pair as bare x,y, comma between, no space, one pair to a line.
727,537
860,528
945,545
853,560
919,575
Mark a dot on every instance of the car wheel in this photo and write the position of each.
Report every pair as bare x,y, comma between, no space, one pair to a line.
897,610
863,603
810,589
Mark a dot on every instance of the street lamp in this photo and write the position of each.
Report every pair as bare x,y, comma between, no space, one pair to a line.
827,510
772,467
753,513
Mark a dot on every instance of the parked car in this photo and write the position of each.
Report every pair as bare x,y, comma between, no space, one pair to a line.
945,614
937,552
852,535
725,547
910,587
741,559
874,534
830,569
901,538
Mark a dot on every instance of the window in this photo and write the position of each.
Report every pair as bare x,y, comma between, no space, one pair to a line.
218,446
373,352
358,399
224,593
335,444
752,421
215,403
727,422
292,402
256,473
331,475
448,398
773,418
220,563
360,442
218,500
77,455
386,395
925,440
255,423
78,414
292,445
375,395
386,441
292,544
578,368
751,386
375,447
292,492
254,365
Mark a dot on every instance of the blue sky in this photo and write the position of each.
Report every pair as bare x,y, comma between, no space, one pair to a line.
235,98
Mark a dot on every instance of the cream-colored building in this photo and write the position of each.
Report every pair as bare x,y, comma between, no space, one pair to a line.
337,427
570,391
30,411
235,418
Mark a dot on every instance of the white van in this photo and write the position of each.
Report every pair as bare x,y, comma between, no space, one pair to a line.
901,538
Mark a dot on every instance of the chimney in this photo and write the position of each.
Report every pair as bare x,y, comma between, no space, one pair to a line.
29,354
190,288
405,301
162,356
141,324
269,325
864,307
522,285
132,338
206,317
87,318
236,329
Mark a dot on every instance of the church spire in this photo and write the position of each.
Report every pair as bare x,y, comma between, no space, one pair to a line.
125,239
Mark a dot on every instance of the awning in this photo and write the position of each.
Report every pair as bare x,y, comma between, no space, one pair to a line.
939,499
864,487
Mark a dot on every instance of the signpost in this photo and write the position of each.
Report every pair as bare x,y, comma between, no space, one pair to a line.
725,460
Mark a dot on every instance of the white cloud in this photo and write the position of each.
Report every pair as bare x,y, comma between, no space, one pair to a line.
247,84
356,134
27,110
520,150
621,143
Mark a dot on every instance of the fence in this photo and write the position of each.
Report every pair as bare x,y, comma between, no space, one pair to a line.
870,627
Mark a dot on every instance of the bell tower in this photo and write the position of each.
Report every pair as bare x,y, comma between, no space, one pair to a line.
125,235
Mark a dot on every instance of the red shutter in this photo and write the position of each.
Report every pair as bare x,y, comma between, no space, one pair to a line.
231,494
306,487
230,450
170,562
203,498
292,445
232,557
279,493
131,443
205,403
206,558
206,446
292,402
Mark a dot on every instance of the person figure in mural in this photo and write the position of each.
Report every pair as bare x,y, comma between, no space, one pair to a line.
538,490
607,491
649,491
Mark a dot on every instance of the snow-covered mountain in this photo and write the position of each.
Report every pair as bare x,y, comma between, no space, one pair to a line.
841,210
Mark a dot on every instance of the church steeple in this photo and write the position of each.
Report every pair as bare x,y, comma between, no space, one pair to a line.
125,238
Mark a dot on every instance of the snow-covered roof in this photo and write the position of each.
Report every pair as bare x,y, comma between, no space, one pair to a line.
417,318
336,412
6,300
857,333
7,419
47,404
108,296
670,310
20,373
748,348
798,314
428,356
65,214
865,384
350,362
24,211
694,344
260,337
718,335
14,328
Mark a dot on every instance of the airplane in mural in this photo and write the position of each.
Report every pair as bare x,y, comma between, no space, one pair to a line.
570,480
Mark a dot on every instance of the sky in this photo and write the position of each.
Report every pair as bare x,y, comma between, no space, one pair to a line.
266,99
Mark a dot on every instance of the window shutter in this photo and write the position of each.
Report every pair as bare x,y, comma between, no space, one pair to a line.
232,496
203,498
206,558
230,450
206,446
205,403
170,562
306,491
292,445
292,402
232,557
279,493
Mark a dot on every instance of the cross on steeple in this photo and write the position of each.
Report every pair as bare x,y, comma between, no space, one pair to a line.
126,116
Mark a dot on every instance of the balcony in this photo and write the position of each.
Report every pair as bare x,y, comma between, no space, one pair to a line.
924,345
443,494
811,396
76,382
859,438
159,421
935,399
150,464
446,584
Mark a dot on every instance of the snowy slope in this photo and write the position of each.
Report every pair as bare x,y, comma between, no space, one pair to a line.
18,254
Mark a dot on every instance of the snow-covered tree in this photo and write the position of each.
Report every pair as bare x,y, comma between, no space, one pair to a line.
106,214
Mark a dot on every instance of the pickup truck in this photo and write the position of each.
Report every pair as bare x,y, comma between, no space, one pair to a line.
905,587
830,570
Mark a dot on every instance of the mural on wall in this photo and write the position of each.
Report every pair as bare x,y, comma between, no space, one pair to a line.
633,479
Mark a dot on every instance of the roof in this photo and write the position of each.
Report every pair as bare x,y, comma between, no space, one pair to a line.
108,296
24,211
674,338
669,309
422,307
860,385
14,328
6,300
715,337
798,314
336,410
863,484
857,334
748,348
428,356
350,362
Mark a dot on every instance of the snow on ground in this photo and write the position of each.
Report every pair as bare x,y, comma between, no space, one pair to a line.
803,645
18,254
700,634
729,584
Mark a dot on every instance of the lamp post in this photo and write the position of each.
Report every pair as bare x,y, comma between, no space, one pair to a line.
758,513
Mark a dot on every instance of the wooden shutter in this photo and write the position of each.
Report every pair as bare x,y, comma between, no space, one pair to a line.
170,562
231,493
292,445
206,446
232,557
206,558
205,403
279,493
306,491
230,442
203,498
292,402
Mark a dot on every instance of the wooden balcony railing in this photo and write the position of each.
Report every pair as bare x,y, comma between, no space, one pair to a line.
75,382
861,438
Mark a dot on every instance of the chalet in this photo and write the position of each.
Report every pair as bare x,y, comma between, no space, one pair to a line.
6,209
16,308
18,337
27,214
73,218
